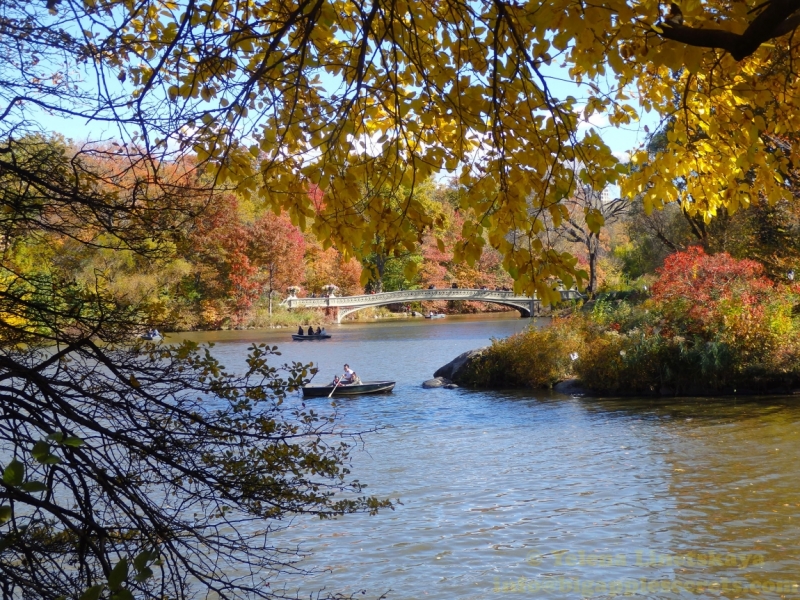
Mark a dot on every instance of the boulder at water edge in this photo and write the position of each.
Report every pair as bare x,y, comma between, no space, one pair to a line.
436,382
571,387
458,365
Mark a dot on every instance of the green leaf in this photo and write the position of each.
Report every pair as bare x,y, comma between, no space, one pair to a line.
56,437
118,575
14,473
144,557
40,450
144,574
5,514
34,486
93,593
122,595
50,460
73,442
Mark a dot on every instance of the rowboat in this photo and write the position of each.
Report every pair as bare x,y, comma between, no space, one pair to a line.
300,338
365,387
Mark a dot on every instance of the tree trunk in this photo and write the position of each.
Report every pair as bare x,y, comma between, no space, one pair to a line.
592,247
269,291
380,265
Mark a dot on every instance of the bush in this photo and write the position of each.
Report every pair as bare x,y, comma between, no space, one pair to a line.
713,325
534,358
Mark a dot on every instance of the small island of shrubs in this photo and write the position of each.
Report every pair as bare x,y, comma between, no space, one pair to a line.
711,325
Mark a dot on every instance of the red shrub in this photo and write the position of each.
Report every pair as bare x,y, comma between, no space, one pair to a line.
716,297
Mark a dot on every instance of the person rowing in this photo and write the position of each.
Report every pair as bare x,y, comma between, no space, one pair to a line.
349,376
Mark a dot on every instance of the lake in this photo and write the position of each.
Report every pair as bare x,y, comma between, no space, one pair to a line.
529,493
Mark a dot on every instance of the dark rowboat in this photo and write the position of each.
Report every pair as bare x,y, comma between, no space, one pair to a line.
365,387
300,338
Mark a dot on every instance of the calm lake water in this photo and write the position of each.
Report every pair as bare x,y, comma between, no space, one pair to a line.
510,494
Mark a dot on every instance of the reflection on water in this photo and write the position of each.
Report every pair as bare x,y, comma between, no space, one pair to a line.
530,493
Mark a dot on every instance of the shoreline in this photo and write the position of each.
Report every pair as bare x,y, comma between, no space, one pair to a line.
456,373
332,322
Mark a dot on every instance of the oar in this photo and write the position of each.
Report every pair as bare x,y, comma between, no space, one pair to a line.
334,388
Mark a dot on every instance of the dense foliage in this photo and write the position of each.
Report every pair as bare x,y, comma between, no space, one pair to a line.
713,324
366,101
230,262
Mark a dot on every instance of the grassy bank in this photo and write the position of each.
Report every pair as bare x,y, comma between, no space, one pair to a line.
713,325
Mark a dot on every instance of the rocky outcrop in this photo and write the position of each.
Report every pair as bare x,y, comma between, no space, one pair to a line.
571,387
436,382
456,367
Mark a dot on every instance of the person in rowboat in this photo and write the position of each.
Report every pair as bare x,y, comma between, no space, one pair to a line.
353,380
349,375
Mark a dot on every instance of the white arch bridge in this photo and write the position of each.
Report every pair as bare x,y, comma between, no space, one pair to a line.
345,305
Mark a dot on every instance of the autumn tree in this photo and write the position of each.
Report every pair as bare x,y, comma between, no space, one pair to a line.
238,258
649,238
586,210
766,233
329,267
391,259
275,249
439,267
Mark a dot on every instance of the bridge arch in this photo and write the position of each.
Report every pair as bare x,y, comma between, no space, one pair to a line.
524,311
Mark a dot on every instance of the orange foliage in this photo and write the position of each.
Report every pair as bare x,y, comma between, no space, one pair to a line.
440,270
323,267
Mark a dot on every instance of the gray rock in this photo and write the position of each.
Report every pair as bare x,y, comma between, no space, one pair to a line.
451,386
570,387
451,369
435,383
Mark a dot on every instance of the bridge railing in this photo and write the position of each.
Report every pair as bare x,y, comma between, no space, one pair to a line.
412,295
407,295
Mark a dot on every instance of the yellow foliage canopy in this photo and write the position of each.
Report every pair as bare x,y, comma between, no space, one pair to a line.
352,96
